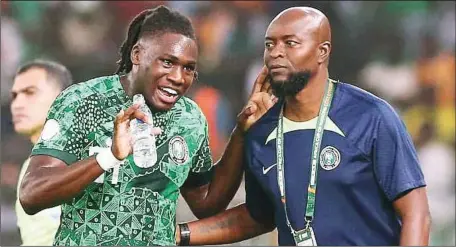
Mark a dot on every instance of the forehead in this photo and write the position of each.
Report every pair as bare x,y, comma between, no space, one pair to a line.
174,44
292,25
36,77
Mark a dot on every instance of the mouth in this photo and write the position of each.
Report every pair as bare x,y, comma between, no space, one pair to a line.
276,68
167,94
18,118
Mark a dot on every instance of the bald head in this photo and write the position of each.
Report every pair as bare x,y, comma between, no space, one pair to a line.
305,20
297,48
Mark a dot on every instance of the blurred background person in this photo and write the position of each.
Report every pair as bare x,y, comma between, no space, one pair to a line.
410,46
36,85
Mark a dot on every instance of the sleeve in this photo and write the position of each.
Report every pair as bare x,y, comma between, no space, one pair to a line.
395,159
257,201
61,137
201,171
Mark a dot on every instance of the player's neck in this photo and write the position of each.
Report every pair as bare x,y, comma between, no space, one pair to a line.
306,104
35,136
127,83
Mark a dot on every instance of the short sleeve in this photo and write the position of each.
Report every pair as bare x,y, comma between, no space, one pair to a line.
62,137
203,158
257,201
201,171
395,159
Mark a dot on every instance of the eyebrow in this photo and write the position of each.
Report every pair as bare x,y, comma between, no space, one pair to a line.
174,58
282,37
24,89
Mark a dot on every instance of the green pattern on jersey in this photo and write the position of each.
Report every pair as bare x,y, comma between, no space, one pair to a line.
140,209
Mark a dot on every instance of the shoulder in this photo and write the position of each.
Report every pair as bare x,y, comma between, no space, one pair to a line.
359,102
82,90
353,94
364,115
79,97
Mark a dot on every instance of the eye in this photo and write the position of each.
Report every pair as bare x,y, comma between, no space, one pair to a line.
30,92
189,68
291,43
268,44
167,63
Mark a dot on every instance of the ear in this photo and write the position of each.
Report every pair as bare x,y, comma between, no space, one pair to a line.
195,77
135,52
323,51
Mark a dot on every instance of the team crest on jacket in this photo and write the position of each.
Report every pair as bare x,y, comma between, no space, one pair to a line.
178,150
329,158
51,128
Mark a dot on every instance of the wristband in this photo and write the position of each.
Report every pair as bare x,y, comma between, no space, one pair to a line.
106,159
184,234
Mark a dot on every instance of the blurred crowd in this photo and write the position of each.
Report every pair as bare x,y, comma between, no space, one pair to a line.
403,52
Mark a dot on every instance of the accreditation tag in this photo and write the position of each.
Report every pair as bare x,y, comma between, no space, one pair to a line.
305,237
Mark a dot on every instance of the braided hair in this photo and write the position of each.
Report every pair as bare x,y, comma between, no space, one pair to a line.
152,22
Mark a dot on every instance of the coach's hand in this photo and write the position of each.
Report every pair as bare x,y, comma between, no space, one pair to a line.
260,101
121,142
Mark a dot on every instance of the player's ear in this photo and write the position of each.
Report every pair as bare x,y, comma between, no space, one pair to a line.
134,55
195,76
323,51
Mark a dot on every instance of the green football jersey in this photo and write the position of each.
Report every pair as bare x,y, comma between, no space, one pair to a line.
128,205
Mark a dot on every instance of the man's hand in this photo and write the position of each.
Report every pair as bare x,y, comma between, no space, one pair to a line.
260,101
121,143
177,234
211,198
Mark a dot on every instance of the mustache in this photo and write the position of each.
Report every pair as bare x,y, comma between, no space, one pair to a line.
296,82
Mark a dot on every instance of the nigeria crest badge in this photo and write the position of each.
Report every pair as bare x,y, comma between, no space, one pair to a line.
329,158
178,150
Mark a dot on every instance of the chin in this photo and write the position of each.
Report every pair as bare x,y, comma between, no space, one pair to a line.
280,77
290,85
23,130
158,106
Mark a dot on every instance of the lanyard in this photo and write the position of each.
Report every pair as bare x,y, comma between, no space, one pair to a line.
311,190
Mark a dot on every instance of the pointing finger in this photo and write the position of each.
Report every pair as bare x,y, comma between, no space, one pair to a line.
129,112
260,80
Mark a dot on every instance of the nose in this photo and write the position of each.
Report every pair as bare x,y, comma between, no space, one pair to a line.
176,75
277,51
17,103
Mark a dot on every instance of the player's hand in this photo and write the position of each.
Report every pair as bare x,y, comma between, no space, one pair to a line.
260,101
121,142
177,235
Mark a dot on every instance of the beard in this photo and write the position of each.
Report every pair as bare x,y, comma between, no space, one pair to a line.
292,85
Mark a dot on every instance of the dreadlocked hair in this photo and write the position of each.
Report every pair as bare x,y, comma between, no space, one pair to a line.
154,21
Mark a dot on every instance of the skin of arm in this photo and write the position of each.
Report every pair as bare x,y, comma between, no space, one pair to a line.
233,225
49,181
413,209
214,197
211,198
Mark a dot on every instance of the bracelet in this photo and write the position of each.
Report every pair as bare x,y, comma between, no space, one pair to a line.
184,234
106,159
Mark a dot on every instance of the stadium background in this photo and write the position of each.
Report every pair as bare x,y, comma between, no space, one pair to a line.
401,51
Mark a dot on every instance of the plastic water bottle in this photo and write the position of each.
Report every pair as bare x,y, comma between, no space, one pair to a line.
144,149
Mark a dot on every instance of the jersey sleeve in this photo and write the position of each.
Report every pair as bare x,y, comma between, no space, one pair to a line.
61,136
257,201
201,171
395,159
